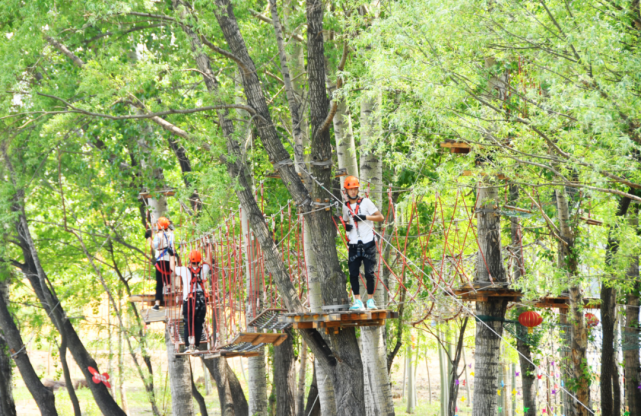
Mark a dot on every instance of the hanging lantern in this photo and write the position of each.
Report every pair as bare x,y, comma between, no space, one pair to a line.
530,319
591,320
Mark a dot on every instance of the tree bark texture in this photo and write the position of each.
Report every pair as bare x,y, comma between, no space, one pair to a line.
197,396
313,406
371,166
44,398
67,375
609,387
285,376
489,267
230,392
455,359
326,396
344,135
300,388
375,360
578,329
7,404
528,374
631,334
179,380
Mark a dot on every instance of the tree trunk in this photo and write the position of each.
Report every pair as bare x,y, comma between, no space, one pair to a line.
578,329
489,267
326,395
44,398
302,371
179,380
375,359
631,334
344,135
121,370
284,376
7,404
455,357
609,386
313,407
197,396
371,166
528,373
257,383
228,387
67,374
36,275
411,400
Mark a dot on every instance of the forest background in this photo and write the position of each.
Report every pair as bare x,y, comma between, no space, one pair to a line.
103,100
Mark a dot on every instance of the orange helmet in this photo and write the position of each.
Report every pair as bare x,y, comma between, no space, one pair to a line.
163,223
195,256
351,182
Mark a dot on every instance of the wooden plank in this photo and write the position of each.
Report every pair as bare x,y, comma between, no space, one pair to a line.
455,145
280,340
303,325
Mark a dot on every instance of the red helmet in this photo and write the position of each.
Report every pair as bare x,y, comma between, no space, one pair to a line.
163,223
351,182
195,256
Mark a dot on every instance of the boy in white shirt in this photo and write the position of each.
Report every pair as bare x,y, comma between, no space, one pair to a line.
360,213
195,279
163,244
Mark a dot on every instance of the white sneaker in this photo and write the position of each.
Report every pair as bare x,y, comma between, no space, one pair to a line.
371,305
357,306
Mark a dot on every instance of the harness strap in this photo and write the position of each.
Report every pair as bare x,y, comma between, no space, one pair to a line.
196,280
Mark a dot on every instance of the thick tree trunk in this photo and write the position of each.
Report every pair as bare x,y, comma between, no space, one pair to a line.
179,380
326,396
578,329
7,404
375,360
313,407
44,398
284,377
371,166
255,365
631,334
489,267
300,388
609,386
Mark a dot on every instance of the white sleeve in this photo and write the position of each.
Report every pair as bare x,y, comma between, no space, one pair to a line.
345,213
370,208
156,241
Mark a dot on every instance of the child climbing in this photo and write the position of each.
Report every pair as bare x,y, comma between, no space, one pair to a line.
163,243
194,280
361,213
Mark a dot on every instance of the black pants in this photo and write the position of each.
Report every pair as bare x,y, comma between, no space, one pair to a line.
194,312
362,254
160,278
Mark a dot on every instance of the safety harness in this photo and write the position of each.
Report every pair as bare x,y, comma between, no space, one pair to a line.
196,280
162,254
353,213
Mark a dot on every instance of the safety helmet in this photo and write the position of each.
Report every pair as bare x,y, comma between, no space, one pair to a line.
195,256
163,223
351,182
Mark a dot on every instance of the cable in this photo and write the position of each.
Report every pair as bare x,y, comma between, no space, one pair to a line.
456,300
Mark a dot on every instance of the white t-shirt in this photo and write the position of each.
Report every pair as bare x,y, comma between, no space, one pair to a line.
161,241
365,230
185,275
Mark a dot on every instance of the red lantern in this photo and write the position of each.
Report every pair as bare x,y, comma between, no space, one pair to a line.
591,320
530,319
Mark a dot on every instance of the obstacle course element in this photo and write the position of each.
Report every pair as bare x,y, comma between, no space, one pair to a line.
456,147
332,322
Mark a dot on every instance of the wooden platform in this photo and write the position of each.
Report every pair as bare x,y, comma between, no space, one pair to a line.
481,292
456,147
332,322
256,338
161,315
150,298
485,292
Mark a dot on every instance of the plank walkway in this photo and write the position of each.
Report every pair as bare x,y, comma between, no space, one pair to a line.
333,321
483,292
